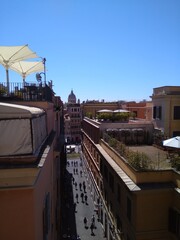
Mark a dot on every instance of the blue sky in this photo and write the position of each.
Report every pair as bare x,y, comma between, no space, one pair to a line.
102,49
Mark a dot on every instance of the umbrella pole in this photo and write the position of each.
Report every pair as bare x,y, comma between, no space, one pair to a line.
24,76
23,82
44,63
7,79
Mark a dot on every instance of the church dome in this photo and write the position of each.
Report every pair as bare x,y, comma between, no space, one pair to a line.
71,97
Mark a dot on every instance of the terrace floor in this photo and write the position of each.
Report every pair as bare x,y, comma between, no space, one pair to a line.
160,159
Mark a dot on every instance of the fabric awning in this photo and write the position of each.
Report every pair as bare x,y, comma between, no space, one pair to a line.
10,111
26,67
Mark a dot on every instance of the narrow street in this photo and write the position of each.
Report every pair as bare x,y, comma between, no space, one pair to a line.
76,207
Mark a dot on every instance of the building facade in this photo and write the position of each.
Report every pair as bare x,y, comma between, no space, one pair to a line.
131,204
141,110
72,120
166,110
90,108
32,163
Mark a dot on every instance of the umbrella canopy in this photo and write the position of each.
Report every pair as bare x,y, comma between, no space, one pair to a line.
120,111
172,142
25,67
12,54
105,111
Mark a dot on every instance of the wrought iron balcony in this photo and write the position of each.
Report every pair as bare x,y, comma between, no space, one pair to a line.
26,92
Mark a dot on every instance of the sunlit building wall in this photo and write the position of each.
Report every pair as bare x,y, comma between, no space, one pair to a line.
130,204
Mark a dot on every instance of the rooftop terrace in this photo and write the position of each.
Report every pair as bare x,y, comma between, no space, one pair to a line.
26,91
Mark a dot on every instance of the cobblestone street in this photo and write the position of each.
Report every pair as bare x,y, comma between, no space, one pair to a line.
78,204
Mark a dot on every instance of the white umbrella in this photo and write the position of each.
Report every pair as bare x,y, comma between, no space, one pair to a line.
172,142
26,67
12,54
120,111
105,111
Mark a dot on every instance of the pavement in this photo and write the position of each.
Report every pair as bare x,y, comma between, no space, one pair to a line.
76,209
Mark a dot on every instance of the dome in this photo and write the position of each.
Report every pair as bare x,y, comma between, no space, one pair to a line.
72,97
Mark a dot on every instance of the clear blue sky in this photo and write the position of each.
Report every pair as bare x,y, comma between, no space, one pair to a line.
102,49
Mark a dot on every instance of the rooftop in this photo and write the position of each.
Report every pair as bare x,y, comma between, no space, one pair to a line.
159,158
33,91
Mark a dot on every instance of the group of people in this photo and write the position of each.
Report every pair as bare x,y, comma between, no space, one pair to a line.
82,195
92,224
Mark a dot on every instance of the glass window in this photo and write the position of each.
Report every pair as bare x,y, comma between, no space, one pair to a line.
111,181
118,193
176,112
129,208
174,222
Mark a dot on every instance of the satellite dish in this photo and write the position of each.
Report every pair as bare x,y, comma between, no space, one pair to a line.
38,77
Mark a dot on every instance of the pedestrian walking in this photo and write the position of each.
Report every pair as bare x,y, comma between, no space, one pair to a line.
93,221
85,198
80,186
77,197
82,197
73,180
80,173
74,204
77,171
74,170
84,188
85,222
92,228
75,185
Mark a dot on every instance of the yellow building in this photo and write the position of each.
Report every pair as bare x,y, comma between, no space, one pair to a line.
131,204
166,110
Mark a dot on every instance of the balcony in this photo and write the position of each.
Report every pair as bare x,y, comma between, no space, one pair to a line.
25,92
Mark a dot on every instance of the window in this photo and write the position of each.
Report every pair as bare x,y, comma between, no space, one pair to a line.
105,196
154,112
46,216
176,112
106,173
135,113
128,238
111,181
118,223
157,112
129,208
118,193
176,133
111,207
174,222
159,115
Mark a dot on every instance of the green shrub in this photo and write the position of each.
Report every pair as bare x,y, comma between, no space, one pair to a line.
140,161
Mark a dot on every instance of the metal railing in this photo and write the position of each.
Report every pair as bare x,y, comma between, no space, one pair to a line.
25,91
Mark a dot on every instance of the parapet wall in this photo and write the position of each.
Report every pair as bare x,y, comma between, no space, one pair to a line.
139,177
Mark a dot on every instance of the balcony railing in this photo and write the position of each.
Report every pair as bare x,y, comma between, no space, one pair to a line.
25,92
